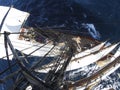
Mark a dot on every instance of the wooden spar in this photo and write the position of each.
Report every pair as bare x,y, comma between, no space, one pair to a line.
89,51
105,61
90,59
97,52
95,76
116,55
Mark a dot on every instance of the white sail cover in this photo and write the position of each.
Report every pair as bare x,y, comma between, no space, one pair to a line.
13,21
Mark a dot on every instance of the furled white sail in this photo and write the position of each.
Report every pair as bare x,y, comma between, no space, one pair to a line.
82,54
13,21
90,58
89,51
84,61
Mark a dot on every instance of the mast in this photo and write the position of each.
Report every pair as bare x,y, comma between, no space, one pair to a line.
55,77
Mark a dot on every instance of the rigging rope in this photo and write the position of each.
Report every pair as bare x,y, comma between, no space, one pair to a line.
17,62
24,70
4,18
6,49
39,61
21,50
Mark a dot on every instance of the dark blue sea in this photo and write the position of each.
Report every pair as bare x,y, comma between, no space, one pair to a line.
104,14
71,14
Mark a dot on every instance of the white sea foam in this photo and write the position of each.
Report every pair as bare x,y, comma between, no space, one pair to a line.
91,29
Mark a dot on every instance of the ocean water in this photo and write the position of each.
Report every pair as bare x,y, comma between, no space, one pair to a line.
104,14
71,14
